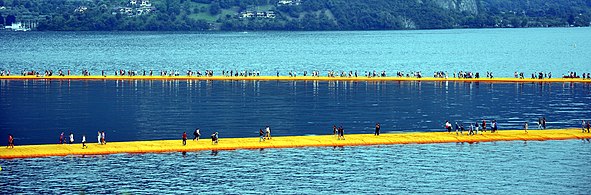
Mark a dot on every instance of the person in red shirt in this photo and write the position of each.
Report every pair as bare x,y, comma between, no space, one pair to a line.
62,138
184,138
10,141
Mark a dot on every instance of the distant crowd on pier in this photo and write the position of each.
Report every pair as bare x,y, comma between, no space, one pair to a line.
473,129
542,75
331,73
480,127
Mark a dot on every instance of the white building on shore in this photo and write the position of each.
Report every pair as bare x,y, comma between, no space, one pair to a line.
18,26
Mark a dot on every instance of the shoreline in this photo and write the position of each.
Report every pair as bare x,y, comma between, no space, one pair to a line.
163,146
298,78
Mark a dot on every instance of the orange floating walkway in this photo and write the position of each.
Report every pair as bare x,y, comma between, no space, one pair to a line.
32,151
286,78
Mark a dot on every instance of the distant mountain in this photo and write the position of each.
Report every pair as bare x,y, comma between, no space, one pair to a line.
239,15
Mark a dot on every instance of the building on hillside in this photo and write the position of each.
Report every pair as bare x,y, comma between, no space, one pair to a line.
81,9
128,11
253,14
247,14
261,14
18,26
145,3
270,14
288,2
144,8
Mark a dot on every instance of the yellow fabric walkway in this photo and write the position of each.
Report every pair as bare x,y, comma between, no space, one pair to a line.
286,78
31,151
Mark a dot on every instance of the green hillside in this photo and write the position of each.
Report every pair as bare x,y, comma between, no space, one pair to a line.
164,15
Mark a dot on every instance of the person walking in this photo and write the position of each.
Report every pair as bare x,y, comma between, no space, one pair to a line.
103,138
84,142
493,126
71,138
377,129
98,138
334,130
62,141
448,126
184,138
10,141
214,138
525,127
196,134
268,130
261,135
583,125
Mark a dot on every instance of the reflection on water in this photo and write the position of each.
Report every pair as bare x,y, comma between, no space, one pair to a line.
36,111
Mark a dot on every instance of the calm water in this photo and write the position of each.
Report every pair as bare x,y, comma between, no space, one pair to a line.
551,167
37,111
503,51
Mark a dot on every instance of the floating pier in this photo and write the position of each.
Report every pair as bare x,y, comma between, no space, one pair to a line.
287,78
158,146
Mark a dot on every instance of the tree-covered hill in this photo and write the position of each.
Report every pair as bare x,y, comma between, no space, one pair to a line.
293,14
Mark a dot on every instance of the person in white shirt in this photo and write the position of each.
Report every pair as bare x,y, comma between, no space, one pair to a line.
84,142
71,138
103,138
448,126
98,137
268,131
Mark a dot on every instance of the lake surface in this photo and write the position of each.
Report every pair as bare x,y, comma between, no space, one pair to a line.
503,51
550,167
36,111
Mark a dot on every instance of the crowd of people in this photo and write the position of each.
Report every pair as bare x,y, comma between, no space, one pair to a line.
315,73
574,75
470,75
474,128
535,75
548,75
338,132
101,139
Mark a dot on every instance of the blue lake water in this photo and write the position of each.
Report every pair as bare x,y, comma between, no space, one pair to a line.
550,167
36,111
503,51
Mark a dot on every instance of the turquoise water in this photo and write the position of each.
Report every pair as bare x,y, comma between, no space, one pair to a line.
550,167
503,51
